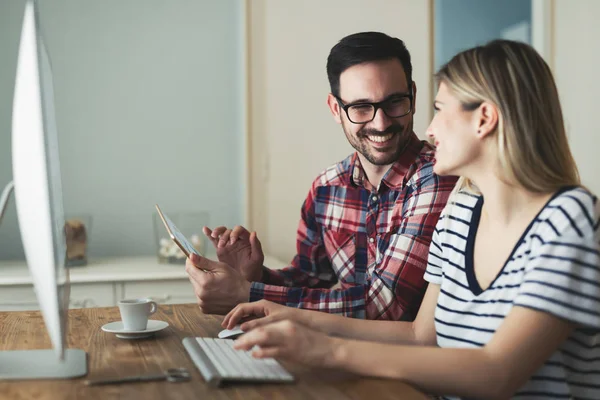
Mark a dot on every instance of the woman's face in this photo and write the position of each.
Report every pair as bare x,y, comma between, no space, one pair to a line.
455,133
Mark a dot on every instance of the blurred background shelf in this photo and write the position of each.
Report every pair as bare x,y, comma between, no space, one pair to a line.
103,282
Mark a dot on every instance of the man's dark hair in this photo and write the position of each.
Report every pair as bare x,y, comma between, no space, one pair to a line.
364,47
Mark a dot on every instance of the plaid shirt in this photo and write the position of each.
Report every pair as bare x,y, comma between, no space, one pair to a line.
374,241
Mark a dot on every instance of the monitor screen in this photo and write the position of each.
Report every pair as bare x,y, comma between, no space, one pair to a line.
37,180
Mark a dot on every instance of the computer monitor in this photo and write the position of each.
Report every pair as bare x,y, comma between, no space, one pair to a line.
38,197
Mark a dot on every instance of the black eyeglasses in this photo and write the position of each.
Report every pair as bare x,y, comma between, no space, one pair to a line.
394,107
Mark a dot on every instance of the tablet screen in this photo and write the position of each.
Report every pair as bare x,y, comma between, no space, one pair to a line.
176,235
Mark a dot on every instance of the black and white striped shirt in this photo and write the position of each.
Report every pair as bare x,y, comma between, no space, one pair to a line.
554,268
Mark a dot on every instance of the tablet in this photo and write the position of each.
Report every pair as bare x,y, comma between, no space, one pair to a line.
176,235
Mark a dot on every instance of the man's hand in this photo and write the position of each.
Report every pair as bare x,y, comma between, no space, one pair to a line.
239,249
290,341
217,286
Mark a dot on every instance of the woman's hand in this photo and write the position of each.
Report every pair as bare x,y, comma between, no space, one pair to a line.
290,341
261,312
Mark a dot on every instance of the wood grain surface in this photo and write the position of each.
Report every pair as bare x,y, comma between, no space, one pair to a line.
109,356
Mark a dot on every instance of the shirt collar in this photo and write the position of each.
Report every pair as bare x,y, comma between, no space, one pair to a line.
394,177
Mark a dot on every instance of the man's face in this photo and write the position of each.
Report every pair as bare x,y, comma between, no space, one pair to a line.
382,140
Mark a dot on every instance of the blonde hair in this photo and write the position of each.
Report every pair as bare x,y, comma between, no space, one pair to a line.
531,138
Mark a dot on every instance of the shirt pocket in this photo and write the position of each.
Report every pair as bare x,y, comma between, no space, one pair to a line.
401,271
341,249
402,254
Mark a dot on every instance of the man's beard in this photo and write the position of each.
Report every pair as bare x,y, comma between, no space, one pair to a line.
360,144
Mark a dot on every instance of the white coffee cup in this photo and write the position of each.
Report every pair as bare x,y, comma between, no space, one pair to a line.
135,312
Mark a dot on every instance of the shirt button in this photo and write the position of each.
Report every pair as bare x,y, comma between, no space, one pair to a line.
372,240
374,198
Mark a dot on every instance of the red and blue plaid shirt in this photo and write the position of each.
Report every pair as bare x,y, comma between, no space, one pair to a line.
373,241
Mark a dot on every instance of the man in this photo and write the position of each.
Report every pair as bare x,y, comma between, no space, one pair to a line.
367,221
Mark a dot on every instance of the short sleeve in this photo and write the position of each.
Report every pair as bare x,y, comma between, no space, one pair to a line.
433,273
563,275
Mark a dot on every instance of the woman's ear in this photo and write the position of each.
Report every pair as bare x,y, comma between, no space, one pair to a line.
487,119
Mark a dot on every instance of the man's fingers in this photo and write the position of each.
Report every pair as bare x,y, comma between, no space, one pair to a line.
197,276
195,279
221,236
238,232
190,268
218,231
256,248
202,263
206,230
224,238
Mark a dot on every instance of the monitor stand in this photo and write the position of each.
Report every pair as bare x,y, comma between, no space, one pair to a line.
42,364
38,364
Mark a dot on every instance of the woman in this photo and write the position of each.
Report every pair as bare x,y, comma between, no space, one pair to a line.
513,304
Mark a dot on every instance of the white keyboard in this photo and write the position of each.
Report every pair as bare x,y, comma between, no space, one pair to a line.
219,363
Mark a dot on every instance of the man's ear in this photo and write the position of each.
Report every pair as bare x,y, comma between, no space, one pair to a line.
335,108
414,99
487,119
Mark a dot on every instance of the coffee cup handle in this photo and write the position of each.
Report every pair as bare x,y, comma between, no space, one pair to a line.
153,307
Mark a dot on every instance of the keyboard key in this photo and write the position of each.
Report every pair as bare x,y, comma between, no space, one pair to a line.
232,364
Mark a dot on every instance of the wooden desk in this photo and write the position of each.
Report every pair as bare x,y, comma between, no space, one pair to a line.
109,356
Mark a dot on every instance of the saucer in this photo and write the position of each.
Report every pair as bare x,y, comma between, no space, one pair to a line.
152,327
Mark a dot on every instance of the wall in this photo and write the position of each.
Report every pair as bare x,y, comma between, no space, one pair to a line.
149,110
11,13
576,56
293,136
461,24
133,95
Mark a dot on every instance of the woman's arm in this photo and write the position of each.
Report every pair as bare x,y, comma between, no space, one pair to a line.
519,347
421,331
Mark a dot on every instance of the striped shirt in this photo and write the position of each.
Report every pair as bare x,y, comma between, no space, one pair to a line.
373,241
554,268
